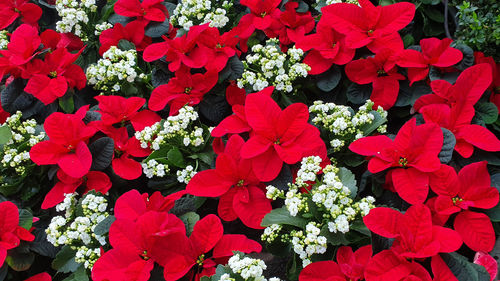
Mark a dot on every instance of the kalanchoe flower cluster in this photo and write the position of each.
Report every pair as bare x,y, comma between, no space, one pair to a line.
114,69
75,228
4,39
75,16
269,66
198,12
15,153
185,175
100,27
309,242
152,168
246,268
342,125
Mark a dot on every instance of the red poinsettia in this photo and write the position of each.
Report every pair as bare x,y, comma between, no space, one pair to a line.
67,145
495,73
144,11
54,75
117,110
222,46
374,27
322,271
294,25
186,50
234,181
458,193
44,276
93,180
278,136
52,40
435,52
326,47
22,47
440,270
415,235
353,264
382,72
12,9
388,265
184,88
185,253
413,154
11,233
262,12
133,32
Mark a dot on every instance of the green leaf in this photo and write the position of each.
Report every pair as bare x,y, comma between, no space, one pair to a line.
126,45
434,14
378,121
157,29
335,239
358,94
41,246
5,134
79,275
67,103
494,213
233,69
449,142
20,258
102,151
465,270
282,216
65,260
409,94
408,40
359,226
25,219
328,80
175,157
487,111
468,56
190,219
348,179
103,227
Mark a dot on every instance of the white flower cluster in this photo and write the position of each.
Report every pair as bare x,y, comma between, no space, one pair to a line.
186,174
4,39
153,168
115,67
329,2
269,66
100,27
342,123
309,243
15,153
74,16
77,231
198,12
174,127
271,233
247,268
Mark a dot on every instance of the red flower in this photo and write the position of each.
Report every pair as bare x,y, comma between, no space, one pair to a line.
488,262
353,264
93,180
413,154
66,146
234,181
374,27
495,73
223,47
321,271
184,88
54,75
145,11
119,110
13,9
207,235
440,270
262,12
296,25
456,194
52,40
186,50
435,52
416,236
44,276
10,231
278,136
382,72
133,32
22,47
388,265
327,47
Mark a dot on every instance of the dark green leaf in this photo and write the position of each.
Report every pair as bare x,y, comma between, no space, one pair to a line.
214,108
20,258
3,271
157,29
5,134
25,219
282,216
67,103
358,94
41,246
359,226
14,98
468,59
465,270
348,179
283,178
79,275
335,239
175,157
190,220
103,227
328,80
436,74
126,45
408,95
434,14
187,204
380,243
449,142
233,70
102,151
302,8
408,40
378,121
65,260
494,213
115,18
487,111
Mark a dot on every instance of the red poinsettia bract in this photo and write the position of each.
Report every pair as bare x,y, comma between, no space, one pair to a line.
458,193
11,233
388,265
133,32
24,43
413,154
262,12
185,253
12,9
415,235
278,136
44,276
144,11
382,72
488,262
67,145
435,52
374,27
234,181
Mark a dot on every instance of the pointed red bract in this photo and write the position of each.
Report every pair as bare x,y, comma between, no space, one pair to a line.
11,233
